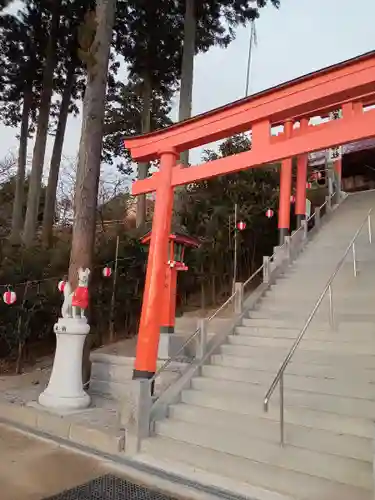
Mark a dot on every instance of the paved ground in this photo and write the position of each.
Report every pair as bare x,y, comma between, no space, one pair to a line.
31,469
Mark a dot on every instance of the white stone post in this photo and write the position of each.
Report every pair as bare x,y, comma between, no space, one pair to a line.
65,388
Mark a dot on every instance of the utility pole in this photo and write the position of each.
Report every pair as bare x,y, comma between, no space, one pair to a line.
252,43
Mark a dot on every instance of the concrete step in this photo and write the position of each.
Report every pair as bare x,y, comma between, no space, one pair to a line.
343,333
329,345
327,466
332,254
275,355
300,436
316,326
346,386
111,371
321,316
345,405
294,485
108,388
307,303
286,303
308,417
296,367
111,375
311,281
282,322
283,289
317,322
356,294
328,261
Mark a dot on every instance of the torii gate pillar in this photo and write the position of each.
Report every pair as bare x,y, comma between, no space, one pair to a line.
302,162
301,189
153,297
285,190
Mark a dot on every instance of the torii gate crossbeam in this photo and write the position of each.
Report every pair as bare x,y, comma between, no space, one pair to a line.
349,86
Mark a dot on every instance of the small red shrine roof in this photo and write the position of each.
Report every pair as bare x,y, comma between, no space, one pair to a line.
184,239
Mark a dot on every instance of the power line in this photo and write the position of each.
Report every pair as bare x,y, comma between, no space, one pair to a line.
55,278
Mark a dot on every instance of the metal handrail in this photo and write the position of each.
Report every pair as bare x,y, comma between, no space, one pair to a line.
189,339
279,378
253,275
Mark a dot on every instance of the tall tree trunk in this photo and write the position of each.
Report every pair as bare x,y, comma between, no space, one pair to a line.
42,130
186,91
17,217
89,160
143,168
53,177
187,68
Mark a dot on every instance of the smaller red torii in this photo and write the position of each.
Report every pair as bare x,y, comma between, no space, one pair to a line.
349,86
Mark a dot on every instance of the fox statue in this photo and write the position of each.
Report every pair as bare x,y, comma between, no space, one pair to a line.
76,302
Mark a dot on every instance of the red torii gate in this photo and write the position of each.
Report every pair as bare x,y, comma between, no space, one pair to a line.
349,85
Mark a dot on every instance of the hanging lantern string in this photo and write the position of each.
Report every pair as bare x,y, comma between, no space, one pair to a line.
53,278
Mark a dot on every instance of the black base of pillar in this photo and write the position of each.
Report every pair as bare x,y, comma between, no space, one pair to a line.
167,329
141,374
283,232
300,218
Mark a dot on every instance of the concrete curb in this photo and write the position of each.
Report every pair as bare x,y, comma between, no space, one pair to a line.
61,426
139,471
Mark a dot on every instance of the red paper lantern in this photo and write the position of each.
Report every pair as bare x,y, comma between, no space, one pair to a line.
61,286
107,271
9,297
241,225
308,185
269,213
292,199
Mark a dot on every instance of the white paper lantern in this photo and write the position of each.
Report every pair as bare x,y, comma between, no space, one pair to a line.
9,297
107,271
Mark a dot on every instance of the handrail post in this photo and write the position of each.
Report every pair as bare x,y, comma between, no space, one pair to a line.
317,217
202,343
135,414
266,269
369,228
331,312
329,203
354,260
281,386
304,229
238,298
288,246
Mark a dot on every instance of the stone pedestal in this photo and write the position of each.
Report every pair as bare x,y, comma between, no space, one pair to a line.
65,388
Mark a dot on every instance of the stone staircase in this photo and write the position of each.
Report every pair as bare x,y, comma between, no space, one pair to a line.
112,366
218,433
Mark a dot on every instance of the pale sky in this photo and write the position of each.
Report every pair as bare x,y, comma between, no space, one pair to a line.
303,36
